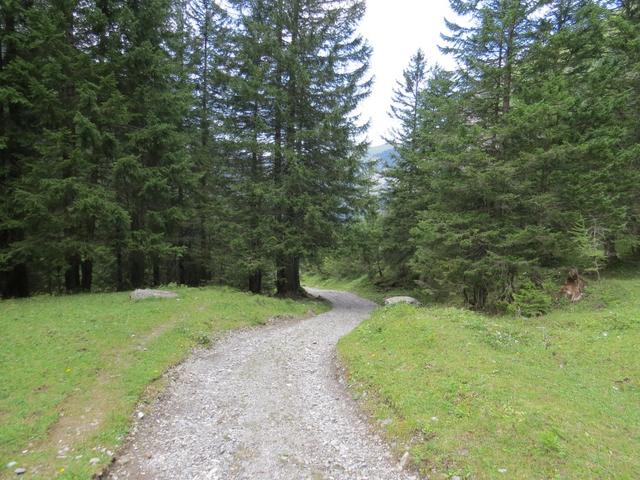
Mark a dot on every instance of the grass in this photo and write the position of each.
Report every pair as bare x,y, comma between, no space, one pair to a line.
73,368
360,286
556,397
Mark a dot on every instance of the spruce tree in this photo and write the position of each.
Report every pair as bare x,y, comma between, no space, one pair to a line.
16,134
152,177
489,49
406,102
403,198
315,71
254,88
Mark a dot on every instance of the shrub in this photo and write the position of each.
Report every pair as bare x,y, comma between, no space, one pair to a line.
530,300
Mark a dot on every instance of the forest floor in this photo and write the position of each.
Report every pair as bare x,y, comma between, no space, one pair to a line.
262,404
478,397
73,368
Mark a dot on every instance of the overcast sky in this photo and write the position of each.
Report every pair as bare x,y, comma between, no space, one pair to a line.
396,29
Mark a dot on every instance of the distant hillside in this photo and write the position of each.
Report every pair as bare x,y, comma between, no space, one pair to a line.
383,155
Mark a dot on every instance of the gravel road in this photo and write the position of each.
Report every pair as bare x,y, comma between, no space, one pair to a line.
263,403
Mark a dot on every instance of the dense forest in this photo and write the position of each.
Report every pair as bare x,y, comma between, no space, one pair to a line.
517,166
149,142
157,141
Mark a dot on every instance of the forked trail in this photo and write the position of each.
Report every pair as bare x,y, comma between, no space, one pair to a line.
263,403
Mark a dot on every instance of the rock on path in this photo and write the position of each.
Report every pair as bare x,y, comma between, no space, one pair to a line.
144,293
263,403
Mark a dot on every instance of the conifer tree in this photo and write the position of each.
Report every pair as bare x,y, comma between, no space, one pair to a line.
153,177
316,77
403,198
489,49
405,106
15,143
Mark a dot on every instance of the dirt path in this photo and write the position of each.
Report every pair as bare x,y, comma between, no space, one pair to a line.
262,404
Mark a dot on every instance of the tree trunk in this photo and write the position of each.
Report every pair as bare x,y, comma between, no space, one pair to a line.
72,275
87,275
15,282
204,114
277,134
508,72
156,273
255,282
181,272
477,298
119,270
288,277
136,269
499,86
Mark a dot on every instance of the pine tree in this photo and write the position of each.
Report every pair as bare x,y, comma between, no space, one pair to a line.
59,195
488,51
403,197
15,143
153,177
473,235
314,71
322,154
406,102
251,126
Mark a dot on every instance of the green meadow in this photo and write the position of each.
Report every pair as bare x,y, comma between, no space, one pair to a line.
474,396
73,368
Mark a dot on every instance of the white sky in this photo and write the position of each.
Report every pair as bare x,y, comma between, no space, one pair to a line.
396,29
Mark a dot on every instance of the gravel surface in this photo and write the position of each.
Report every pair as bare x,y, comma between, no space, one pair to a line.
263,403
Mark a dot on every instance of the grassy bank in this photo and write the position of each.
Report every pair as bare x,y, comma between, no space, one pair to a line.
486,397
72,369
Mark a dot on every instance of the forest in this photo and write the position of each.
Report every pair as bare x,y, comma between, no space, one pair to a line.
150,142
516,168
159,141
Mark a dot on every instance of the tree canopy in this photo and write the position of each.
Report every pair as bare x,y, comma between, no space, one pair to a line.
164,141
522,162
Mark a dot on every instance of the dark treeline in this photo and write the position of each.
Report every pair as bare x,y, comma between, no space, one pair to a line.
157,141
520,164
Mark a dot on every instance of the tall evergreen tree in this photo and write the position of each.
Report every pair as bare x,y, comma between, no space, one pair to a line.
255,93
316,66
16,133
489,50
153,177
477,218
405,104
402,198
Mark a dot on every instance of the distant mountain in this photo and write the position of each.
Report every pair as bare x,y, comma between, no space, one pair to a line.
384,156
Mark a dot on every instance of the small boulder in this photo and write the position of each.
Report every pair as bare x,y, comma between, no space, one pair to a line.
143,293
401,299
20,471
